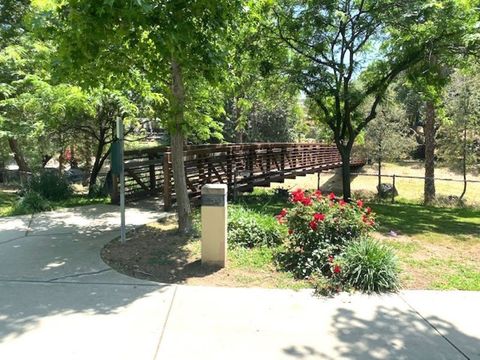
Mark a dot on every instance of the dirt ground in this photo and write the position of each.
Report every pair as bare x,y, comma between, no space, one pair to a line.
157,252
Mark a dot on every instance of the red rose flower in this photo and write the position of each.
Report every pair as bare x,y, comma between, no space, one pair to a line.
298,195
283,212
290,231
318,217
359,203
331,196
336,269
306,201
368,210
313,225
318,194
342,202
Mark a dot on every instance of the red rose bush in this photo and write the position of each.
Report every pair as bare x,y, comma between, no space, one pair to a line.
319,229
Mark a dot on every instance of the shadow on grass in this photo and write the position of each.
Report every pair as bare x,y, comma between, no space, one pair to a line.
267,202
414,219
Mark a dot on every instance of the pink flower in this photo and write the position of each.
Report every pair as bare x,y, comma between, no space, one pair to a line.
359,203
318,194
330,259
283,212
318,217
342,202
313,225
331,196
368,211
336,269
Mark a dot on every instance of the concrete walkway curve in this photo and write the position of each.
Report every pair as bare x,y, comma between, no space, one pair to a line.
58,300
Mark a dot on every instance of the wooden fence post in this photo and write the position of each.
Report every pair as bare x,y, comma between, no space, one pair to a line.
393,190
167,182
151,169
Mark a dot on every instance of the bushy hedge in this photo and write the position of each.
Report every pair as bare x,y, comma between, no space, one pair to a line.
249,229
31,202
50,185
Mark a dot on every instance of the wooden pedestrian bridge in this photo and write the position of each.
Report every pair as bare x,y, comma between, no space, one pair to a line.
148,172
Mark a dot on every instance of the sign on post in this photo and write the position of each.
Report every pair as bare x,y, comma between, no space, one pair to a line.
214,224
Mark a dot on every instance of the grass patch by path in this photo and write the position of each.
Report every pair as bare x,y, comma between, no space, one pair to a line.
9,200
438,248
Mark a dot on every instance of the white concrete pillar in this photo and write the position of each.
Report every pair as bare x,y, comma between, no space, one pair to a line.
214,224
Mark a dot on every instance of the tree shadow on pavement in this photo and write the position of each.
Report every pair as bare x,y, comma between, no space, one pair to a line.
389,334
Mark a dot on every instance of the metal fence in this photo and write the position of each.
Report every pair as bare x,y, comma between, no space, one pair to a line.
407,187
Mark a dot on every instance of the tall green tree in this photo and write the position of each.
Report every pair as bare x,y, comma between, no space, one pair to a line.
459,134
388,137
350,51
174,43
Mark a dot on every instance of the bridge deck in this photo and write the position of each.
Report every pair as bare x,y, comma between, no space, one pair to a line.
240,166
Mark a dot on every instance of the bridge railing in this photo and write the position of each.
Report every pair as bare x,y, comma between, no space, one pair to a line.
240,166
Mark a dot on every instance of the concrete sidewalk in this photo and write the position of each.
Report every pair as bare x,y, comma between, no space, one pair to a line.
58,300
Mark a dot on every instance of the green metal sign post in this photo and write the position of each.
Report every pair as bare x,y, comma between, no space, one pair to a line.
118,166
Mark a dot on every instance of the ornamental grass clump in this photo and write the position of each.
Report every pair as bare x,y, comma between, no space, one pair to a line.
370,266
320,227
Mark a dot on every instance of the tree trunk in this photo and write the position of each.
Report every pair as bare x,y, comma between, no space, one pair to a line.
61,161
464,160
345,154
18,155
178,164
429,131
98,164
236,117
379,173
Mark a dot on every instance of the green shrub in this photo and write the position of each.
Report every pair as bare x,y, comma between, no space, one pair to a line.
249,229
31,202
370,266
50,185
97,191
320,227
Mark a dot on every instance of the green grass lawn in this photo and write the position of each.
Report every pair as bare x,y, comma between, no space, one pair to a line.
438,247
7,202
409,190
9,199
